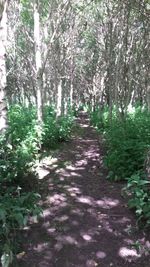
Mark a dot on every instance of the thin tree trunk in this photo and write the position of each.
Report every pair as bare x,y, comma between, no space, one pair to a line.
3,40
38,61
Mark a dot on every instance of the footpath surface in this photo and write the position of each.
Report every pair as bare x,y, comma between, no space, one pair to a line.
85,221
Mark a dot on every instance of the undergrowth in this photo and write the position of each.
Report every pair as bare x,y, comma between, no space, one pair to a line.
128,142
19,150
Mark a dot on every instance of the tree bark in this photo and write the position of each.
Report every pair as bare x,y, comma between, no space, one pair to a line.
3,82
38,61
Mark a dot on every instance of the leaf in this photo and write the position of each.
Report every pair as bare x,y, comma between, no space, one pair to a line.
19,218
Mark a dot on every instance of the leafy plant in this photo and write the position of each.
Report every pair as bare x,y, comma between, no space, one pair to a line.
127,140
138,191
19,149
56,129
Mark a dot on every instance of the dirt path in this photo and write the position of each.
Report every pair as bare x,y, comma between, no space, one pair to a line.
85,222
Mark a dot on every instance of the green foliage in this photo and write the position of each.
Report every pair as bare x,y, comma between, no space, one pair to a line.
21,122
138,192
127,138
18,152
56,129
99,118
15,208
26,13
19,149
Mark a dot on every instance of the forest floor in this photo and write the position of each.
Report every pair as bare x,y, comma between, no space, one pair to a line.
85,220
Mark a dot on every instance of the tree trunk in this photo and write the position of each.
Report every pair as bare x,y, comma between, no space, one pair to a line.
38,61
3,40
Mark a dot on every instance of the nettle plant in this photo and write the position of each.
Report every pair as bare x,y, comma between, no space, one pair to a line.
138,191
18,150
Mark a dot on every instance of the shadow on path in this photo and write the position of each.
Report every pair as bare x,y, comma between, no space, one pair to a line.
85,221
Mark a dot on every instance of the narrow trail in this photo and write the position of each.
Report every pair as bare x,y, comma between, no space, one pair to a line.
85,222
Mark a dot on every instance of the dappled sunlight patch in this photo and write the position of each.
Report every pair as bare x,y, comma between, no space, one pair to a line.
123,220
70,240
108,227
74,191
45,165
126,253
27,228
46,213
82,162
70,168
107,203
85,200
86,237
100,254
85,125
80,168
63,172
89,141
62,218
47,162
65,239
51,230
75,174
57,201
91,153
42,173
91,263
41,247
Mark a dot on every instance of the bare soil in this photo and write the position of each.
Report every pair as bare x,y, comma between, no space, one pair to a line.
85,220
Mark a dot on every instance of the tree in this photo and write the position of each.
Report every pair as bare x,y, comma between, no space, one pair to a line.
3,39
38,60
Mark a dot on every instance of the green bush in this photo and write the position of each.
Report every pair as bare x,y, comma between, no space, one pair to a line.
56,129
127,139
22,121
65,125
138,192
126,148
15,208
18,150
99,118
